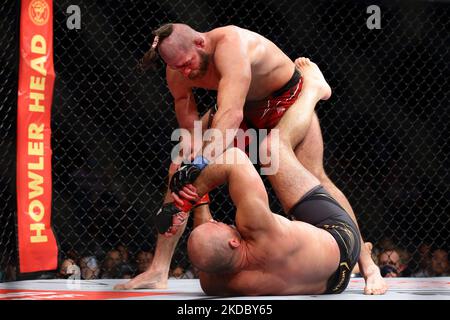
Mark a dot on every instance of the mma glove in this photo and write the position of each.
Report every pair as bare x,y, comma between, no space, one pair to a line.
187,173
164,217
170,212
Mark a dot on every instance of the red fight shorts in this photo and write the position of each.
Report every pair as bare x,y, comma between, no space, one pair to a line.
266,114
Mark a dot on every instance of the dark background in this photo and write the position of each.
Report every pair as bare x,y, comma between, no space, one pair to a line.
385,128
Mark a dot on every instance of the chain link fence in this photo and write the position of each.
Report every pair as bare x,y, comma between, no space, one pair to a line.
385,128
8,103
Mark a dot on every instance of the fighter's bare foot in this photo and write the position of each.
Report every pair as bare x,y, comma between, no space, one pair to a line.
375,283
313,78
145,280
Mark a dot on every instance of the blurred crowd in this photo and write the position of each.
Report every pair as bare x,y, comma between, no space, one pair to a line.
118,263
396,261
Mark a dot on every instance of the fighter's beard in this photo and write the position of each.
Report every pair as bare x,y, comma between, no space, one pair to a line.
204,63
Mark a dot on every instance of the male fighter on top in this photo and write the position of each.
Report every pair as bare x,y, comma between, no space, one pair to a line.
268,254
257,84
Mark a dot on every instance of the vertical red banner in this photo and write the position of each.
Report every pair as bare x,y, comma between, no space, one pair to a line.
38,250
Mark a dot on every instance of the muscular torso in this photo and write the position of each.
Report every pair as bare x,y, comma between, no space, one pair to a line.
298,260
270,67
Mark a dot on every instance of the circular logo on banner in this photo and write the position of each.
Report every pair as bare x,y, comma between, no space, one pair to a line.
39,12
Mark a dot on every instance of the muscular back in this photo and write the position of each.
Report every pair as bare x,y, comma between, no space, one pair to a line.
270,67
294,258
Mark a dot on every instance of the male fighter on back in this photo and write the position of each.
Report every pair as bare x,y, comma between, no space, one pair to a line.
257,85
268,254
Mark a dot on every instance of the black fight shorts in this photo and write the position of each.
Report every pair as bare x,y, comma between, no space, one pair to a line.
318,207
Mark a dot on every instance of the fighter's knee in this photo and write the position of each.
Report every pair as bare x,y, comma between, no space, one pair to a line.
235,155
272,142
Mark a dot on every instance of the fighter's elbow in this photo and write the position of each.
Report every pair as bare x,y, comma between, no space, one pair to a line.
187,122
235,117
229,118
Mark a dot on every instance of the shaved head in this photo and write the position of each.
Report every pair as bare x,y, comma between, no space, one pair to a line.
182,49
209,249
180,41
173,42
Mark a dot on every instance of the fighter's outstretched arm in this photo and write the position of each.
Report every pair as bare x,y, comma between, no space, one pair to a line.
245,186
232,62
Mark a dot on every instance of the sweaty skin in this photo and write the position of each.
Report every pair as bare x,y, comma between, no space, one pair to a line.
286,258
255,58
242,66
271,254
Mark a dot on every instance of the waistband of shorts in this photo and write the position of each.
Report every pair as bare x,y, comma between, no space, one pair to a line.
313,194
296,76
